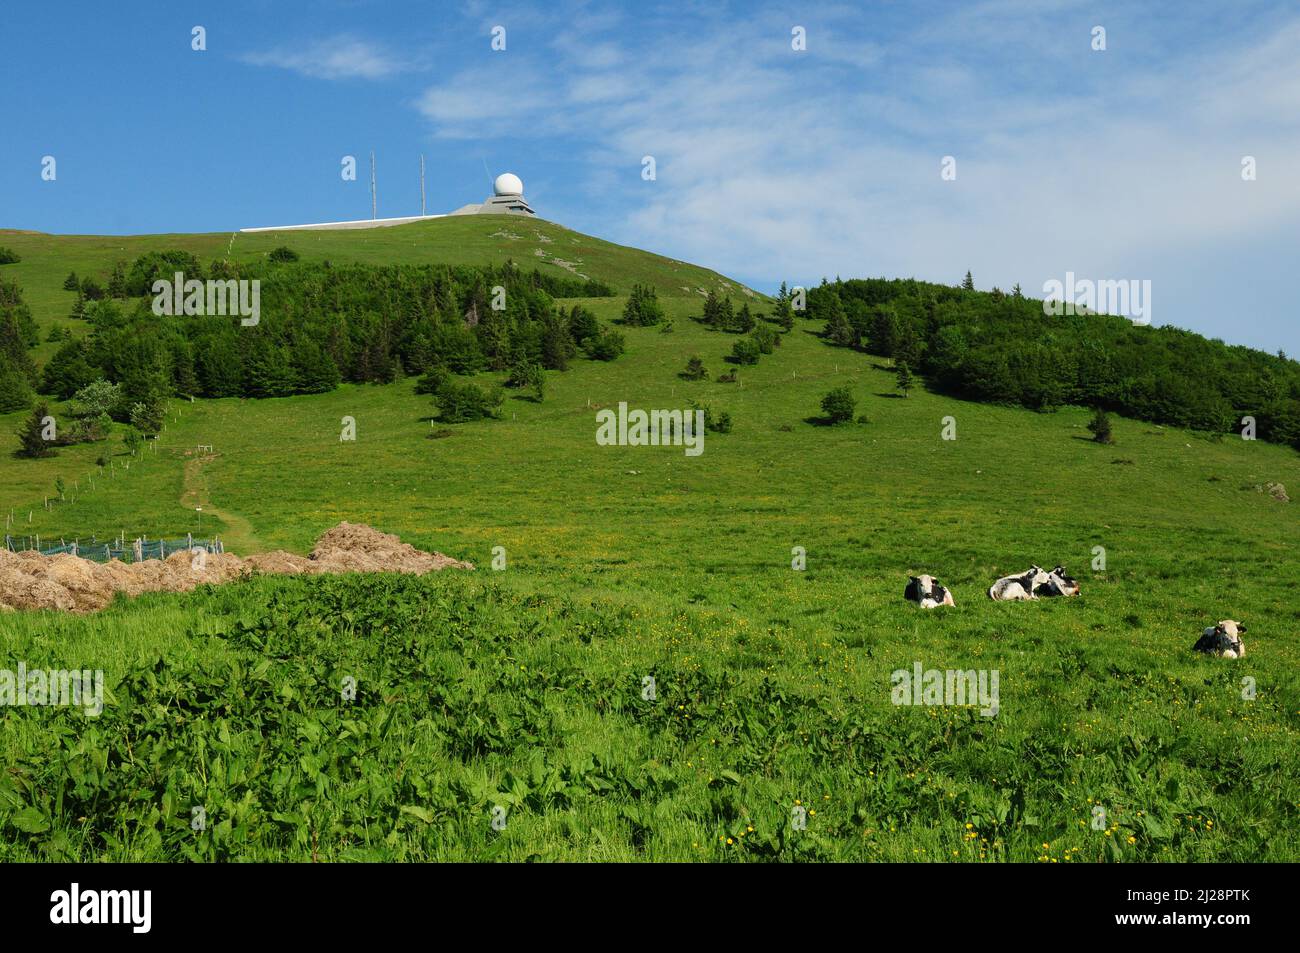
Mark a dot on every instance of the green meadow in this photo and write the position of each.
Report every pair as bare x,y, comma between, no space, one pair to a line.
521,689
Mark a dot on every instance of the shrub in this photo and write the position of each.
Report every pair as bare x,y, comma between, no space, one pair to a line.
88,430
695,370
713,423
100,397
147,415
606,345
461,402
766,339
745,351
838,405
282,254
8,256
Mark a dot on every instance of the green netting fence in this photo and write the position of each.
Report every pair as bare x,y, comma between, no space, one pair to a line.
126,550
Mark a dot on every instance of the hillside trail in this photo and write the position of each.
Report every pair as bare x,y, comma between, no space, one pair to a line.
239,535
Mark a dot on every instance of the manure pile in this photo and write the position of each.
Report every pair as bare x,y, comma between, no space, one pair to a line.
29,580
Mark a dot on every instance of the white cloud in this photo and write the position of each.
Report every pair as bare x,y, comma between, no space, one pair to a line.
339,57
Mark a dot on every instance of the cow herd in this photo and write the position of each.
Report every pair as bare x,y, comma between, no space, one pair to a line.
1034,583
1222,640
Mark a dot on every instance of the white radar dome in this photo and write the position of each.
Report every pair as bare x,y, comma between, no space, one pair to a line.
508,183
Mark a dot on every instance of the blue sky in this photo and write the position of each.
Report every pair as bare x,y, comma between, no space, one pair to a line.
771,164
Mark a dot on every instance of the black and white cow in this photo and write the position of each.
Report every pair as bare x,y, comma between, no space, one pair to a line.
1223,640
1058,584
1020,587
927,593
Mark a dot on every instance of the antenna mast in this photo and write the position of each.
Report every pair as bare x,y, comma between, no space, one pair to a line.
422,185
374,205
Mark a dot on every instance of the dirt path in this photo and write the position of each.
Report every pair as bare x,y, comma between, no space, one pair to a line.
239,535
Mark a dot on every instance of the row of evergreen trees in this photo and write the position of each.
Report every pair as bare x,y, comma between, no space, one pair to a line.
318,325
1001,348
18,333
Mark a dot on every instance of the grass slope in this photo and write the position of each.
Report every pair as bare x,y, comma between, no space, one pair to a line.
625,561
465,239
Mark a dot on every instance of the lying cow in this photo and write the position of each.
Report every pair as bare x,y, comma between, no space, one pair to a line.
1058,584
927,593
1223,640
1020,587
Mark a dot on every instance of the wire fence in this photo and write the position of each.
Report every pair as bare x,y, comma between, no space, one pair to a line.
120,548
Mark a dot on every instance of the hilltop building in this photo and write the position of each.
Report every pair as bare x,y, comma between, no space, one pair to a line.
507,198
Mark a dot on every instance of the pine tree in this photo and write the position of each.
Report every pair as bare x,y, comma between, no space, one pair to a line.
582,325
117,281
884,332
537,382
968,283
838,329
270,373
72,282
695,370
15,394
907,344
642,308
315,370
904,379
67,371
712,309
557,346
783,314
184,381
14,343
32,442
1100,427
726,315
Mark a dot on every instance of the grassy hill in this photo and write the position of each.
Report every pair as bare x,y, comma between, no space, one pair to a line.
459,240
523,687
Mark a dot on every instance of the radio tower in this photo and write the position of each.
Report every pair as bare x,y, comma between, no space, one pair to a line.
422,185
374,205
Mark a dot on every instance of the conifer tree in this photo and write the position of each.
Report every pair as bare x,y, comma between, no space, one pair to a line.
1100,427
32,436
15,394
904,378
